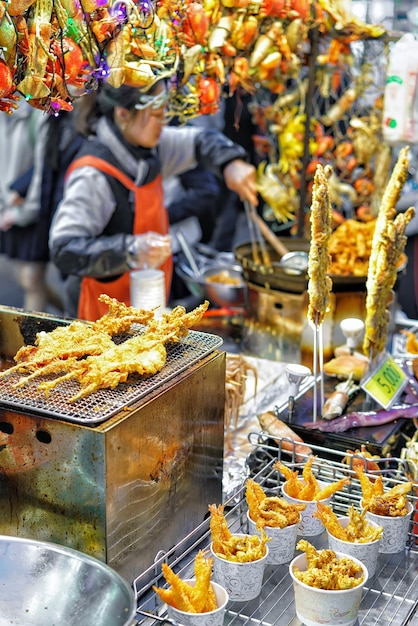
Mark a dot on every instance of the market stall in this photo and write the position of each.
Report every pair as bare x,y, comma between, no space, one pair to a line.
116,436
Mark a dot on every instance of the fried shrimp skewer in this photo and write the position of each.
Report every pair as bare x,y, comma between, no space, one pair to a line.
319,262
96,361
320,284
388,243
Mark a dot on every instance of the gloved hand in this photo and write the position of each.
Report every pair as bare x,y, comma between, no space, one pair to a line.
149,250
240,177
8,218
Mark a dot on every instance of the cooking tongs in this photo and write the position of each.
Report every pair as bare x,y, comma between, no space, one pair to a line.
257,240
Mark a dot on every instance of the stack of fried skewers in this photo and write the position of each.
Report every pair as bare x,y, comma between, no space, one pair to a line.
388,246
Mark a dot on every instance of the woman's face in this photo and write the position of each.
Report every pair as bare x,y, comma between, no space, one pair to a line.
143,127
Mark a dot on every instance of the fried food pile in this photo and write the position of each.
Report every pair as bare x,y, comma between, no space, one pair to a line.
307,487
392,503
319,284
358,530
88,353
224,278
236,548
350,246
270,510
182,596
326,571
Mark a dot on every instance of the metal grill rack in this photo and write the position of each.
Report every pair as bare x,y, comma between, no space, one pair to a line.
390,598
104,403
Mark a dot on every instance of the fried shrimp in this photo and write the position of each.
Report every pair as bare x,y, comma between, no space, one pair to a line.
307,487
238,548
184,597
270,511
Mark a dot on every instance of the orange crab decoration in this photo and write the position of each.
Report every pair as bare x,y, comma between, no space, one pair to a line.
195,26
209,95
7,89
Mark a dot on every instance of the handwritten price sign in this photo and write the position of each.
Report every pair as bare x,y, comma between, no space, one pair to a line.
386,383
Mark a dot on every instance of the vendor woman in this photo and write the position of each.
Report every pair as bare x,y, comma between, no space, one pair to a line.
112,217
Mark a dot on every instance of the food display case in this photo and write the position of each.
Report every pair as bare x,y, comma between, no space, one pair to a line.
389,598
122,473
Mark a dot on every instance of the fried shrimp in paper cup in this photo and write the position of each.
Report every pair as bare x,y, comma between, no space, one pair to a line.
209,618
279,518
307,489
316,601
242,580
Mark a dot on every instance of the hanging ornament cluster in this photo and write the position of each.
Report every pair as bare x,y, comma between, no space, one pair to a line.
54,50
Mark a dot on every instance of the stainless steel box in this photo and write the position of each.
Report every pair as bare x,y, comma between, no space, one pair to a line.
123,489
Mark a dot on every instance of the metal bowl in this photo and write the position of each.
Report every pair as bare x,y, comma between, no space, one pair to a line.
43,583
221,294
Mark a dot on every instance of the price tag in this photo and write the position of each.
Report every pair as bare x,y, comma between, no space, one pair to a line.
386,382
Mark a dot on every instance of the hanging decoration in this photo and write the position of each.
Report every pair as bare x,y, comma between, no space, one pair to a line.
55,50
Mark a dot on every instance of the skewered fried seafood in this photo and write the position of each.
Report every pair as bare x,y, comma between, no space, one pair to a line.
237,548
319,285
182,596
270,510
358,530
387,246
326,571
104,364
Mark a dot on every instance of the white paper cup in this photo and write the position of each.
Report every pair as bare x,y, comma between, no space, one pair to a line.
243,581
211,618
147,289
316,607
309,526
283,541
367,553
395,530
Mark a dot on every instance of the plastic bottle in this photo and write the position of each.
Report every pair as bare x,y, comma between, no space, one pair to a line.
400,111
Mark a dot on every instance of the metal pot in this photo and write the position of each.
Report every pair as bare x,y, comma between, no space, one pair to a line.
44,583
277,277
219,293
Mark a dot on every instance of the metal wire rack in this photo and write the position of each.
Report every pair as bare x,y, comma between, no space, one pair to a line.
104,403
391,597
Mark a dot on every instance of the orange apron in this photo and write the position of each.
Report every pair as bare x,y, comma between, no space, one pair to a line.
150,215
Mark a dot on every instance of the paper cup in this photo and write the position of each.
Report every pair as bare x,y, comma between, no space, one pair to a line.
309,526
147,289
243,581
395,530
367,553
283,541
211,618
316,607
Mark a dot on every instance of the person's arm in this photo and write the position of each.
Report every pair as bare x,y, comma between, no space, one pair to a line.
181,148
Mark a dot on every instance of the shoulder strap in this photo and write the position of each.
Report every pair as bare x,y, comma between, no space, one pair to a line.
103,166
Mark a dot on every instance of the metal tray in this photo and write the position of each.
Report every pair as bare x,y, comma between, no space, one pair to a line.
104,403
391,598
